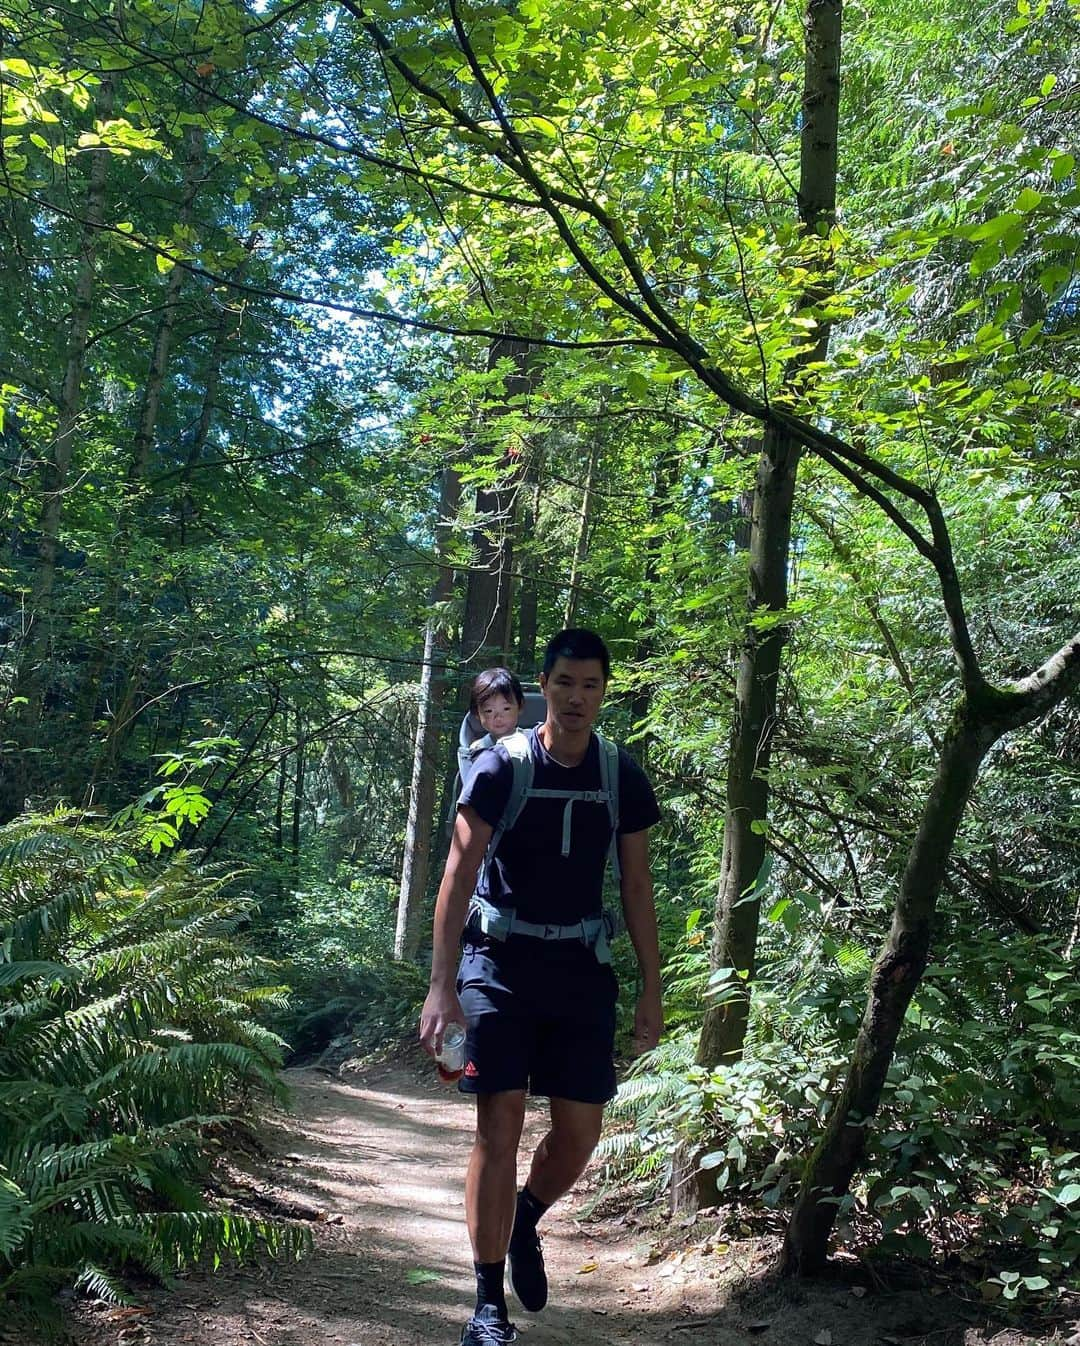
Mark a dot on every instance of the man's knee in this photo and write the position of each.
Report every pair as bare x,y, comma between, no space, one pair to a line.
575,1128
499,1119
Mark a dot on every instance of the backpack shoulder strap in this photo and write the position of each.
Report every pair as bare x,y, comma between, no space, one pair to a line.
519,751
609,784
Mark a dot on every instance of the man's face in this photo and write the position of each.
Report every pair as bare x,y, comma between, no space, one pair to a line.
573,690
498,714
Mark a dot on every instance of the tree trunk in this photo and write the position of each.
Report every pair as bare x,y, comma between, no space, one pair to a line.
528,592
159,359
279,812
665,477
746,818
31,677
485,629
227,324
745,847
117,595
896,974
985,715
298,801
581,542
416,861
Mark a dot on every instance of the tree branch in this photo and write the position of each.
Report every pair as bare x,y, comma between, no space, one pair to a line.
334,305
1050,683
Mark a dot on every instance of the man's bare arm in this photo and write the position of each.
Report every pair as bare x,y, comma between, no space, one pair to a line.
467,846
639,911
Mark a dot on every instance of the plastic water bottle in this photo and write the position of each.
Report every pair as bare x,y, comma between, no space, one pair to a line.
450,1058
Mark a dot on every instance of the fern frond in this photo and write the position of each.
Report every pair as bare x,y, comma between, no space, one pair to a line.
97,1283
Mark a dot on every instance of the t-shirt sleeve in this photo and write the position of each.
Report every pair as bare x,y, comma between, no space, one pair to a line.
488,786
638,808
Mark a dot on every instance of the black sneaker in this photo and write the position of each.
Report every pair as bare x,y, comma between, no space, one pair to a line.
527,1274
488,1328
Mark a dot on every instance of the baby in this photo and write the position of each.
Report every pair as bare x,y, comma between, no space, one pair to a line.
496,701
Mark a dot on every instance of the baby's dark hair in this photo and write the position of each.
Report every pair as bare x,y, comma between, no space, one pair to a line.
495,682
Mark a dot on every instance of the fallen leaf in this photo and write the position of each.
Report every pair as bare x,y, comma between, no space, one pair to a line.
721,1248
858,1291
420,1276
823,1338
586,1267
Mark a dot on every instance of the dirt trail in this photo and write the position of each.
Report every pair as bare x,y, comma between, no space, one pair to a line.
375,1162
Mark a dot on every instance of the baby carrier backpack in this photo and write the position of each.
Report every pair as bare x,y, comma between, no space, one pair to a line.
501,922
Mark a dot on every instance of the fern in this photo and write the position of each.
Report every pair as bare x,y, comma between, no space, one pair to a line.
127,1026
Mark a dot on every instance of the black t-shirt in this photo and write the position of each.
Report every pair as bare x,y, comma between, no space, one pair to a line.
528,871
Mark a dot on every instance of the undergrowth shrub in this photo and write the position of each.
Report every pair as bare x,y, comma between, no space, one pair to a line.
128,1023
337,956
973,1152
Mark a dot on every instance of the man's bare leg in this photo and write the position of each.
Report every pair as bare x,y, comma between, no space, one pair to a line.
558,1162
562,1155
491,1178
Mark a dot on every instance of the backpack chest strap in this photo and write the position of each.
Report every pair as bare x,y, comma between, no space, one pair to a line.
572,797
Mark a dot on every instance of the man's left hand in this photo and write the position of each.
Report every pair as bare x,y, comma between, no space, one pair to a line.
648,1021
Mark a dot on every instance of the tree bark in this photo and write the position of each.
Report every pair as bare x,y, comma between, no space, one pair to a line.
746,816
985,715
416,861
31,677
299,785
485,629
581,542
149,409
528,592
664,479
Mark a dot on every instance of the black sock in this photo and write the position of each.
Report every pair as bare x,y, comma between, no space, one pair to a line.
489,1285
527,1214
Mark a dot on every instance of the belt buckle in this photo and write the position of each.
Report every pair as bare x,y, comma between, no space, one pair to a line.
550,932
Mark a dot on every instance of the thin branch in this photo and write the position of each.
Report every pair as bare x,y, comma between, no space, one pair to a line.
334,305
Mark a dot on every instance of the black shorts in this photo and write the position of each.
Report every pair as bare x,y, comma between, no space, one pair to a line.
541,1017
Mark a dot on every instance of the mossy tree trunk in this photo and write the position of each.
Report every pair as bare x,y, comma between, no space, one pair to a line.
420,826
486,624
33,673
985,715
738,902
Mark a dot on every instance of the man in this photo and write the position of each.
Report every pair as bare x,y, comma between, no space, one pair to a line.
540,1004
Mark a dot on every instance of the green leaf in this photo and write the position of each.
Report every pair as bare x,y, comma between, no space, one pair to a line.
15,65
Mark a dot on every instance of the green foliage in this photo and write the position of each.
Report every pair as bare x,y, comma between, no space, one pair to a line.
127,1025
246,535
972,1153
336,954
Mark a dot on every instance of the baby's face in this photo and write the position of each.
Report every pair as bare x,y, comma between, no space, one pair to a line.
498,714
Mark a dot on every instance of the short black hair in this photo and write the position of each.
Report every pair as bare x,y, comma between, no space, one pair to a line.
577,643
494,682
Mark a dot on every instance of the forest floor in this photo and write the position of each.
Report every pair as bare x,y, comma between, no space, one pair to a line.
374,1159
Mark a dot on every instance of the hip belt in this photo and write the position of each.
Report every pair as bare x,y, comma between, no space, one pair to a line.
499,923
